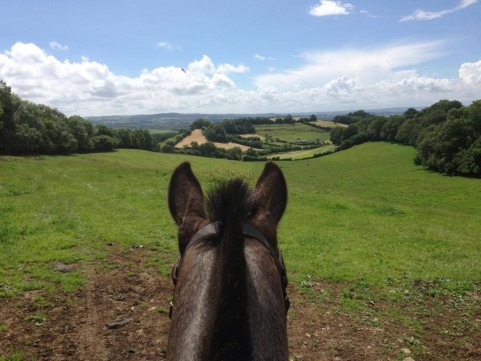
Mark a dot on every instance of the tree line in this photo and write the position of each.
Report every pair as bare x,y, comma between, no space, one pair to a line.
27,128
447,135
219,132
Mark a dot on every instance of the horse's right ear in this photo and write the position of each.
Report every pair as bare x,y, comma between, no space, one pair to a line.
185,195
271,191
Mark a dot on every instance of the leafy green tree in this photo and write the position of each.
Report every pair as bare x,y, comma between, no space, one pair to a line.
9,103
360,114
168,147
337,135
124,136
444,105
407,132
68,144
410,113
27,140
234,153
82,131
104,143
230,127
208,149
390,128
200,124
216,133
101,129
474,113
373,131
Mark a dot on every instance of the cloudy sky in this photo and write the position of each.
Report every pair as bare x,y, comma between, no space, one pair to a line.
148,56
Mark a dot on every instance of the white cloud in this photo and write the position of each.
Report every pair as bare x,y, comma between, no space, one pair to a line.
423,15
343,79
373,64
229,68
202,66
368,14
167,46
329,7
470,73
368,78
262,57
206,66
91,88
57,46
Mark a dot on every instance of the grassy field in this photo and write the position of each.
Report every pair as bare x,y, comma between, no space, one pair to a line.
292,132
374,217
364,226
366,214
66,209
303,154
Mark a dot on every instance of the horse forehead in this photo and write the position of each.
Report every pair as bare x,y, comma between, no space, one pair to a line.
201,255
258,256
252,245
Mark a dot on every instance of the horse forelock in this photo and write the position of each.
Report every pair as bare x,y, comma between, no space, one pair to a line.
231,201
230,204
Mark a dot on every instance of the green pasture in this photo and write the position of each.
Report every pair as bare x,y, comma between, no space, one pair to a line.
370,216
292,132
303,154
365,216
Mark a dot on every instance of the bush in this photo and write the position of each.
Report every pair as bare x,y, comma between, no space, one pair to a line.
104,143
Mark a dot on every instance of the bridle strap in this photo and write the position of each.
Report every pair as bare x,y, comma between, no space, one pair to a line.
249,230
207,231
253,232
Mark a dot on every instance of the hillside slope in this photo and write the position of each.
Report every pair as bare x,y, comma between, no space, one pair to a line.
370,241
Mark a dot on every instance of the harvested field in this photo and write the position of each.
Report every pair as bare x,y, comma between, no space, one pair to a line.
195,136
327,124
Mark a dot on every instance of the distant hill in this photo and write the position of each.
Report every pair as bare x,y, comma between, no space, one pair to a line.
164,120
179,120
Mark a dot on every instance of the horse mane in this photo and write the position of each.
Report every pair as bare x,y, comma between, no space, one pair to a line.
229,204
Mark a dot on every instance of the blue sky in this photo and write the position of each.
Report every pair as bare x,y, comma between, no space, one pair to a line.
126,57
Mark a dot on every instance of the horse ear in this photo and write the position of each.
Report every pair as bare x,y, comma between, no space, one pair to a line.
185,195
271,191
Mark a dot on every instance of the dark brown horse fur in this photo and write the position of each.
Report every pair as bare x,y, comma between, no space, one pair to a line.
228,298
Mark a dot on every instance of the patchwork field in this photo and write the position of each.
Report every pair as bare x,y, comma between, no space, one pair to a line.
327,124
292,132
383,256
303,154
197,136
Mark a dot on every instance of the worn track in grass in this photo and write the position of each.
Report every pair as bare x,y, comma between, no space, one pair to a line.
72,326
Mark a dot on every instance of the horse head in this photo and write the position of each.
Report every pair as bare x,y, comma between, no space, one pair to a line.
230,299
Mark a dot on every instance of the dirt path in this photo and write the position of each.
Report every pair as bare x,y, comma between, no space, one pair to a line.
122,288
76,324
89,330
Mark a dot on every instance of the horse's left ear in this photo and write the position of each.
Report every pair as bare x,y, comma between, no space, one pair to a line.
185,195
271,190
